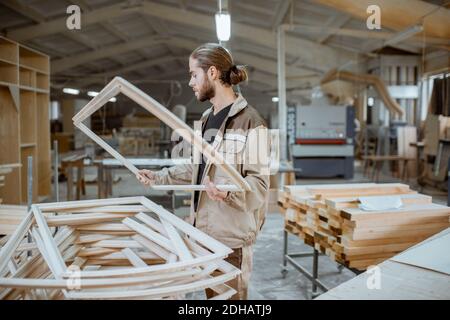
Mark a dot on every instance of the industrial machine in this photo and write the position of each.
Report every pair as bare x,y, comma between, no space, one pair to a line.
324,139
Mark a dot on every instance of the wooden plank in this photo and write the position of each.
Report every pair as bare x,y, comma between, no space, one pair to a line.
8,249
89,238
48,240
152,223
149,234
152,247
107,209
424,231
114,227
203,238
177,242
134,258
69,205
419,209
158,292
353,202
93,283
150,269
85,218
117,244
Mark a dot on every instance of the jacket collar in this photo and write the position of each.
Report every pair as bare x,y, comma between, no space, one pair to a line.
238,104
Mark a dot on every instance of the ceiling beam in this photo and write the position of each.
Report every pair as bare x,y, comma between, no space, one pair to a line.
104,52
364,34
280,14
267,69
59,24
400,14
323,57
100,77
263,64
337,21
253,8
24,10
37,17
312,53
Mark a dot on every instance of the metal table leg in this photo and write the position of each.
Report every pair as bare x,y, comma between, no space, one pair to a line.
314,292
284,269
289,258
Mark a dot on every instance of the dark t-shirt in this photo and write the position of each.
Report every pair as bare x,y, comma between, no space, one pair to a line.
209,132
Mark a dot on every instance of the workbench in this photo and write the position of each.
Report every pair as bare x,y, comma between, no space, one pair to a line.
68,164
378,161
398,281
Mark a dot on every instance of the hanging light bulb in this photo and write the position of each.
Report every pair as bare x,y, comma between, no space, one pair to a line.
223,25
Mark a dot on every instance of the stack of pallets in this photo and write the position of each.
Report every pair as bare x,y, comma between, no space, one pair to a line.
328,218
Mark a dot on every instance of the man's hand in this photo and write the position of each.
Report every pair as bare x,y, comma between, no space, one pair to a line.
146,177
213,192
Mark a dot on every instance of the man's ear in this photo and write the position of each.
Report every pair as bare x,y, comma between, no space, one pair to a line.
213,73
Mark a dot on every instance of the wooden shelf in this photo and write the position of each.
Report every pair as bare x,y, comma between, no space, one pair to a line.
43,139
32,59
37,90
10,146
8,73
33,69
25,125
8,62
28,116
9,51
27,77
42,81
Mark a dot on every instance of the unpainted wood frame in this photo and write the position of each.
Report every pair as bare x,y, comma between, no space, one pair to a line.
48,248
120,85
169,222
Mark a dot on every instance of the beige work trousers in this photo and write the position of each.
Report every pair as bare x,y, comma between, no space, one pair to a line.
241,258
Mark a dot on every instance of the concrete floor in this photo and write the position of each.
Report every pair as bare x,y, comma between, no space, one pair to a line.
267,281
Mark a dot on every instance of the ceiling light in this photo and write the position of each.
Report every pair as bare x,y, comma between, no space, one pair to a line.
92,93
275,99
71,91
223,26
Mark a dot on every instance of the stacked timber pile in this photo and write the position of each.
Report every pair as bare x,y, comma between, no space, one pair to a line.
329,218
124,248
10,218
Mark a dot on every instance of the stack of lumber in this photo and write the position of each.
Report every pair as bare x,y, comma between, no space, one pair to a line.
328,217
10,218
124,248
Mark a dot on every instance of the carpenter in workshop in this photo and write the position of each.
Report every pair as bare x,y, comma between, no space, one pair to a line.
234,218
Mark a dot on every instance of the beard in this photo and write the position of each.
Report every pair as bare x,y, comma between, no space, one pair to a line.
207,92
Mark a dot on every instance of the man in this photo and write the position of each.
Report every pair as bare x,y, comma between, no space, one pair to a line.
234,218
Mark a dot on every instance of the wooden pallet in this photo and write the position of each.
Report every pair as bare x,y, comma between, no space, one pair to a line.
328,218
124,248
